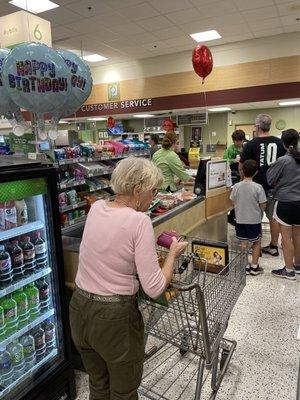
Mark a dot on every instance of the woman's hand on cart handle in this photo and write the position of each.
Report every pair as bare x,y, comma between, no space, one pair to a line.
176,249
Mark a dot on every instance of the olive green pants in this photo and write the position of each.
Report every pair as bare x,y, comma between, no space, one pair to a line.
110,340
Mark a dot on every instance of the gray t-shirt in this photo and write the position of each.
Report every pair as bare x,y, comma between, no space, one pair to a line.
284,175
247,196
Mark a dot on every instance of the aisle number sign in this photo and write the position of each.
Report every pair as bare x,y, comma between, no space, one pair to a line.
21,27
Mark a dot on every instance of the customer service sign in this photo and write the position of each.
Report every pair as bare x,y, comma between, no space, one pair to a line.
117,106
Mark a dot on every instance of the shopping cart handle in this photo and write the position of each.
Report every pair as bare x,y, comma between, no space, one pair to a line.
184,288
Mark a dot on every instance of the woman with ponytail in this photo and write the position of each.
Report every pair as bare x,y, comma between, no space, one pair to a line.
169,162
284,175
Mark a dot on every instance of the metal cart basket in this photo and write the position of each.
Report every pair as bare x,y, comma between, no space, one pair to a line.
187,326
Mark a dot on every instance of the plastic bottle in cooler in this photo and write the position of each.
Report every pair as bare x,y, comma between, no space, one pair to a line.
16,352
6,272
50,334
44,293
6,369
22,307
2,324
10,314
40,342
2,217
29,256
22,213
10,215
40,248
28,344
17,260
32,293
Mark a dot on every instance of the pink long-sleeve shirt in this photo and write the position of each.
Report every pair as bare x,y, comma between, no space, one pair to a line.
118,244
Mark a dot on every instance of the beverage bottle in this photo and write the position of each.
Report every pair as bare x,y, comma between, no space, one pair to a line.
10,314
2,324
22,307
40,248
6,272
33,297
6,369
17,260
28,344
10,215
40,342
22,213
2,217
16,352
44,293
50,334
29,256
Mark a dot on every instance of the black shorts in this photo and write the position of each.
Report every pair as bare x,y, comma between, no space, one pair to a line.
250,232
287,213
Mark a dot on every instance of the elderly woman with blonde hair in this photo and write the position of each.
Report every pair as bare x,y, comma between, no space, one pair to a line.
117,245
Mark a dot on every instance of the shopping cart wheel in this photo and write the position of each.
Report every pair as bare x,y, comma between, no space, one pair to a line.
182,352
224,356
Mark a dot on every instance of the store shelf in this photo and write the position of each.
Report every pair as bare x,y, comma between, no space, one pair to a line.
26,328
26,281
71,184
69,161
100,173
28,373
99,188
73,224
21,230
73,206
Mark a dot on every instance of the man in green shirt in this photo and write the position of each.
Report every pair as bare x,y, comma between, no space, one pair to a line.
233,152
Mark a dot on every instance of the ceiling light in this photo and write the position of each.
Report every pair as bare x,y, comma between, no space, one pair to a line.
143,115
34,6
97,119
94,58
205,36
289,103
219,109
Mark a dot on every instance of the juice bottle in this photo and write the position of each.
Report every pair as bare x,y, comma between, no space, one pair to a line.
32,293
29,256
10,215
22,214
16,352
22,307
2,324
50,334
44,293
40,248
2,217
28,344
17,260
40,342
10,314
6,272
6,369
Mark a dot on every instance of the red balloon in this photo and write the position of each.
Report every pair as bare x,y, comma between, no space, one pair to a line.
202,61
110,122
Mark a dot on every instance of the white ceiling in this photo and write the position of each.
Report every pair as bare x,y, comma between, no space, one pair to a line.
125,30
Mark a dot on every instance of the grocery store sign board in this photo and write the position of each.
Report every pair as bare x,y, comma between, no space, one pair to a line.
21,27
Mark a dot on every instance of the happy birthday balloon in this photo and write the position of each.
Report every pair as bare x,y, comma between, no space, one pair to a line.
202,61
36,78
81,82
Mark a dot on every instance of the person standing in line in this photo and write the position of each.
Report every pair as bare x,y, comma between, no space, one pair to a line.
154,139
285,176
117,254
249,201
265,149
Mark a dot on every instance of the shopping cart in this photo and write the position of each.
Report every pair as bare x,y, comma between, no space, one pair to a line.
187,325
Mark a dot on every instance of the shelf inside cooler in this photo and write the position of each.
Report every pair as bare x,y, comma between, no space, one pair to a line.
11,288
21,230
73,206
26,328
28,373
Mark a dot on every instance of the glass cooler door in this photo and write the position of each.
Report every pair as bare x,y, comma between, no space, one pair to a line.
31,332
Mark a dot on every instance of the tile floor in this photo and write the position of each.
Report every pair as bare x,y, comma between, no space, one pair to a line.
265,323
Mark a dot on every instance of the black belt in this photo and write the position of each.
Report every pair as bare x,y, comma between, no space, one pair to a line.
114,298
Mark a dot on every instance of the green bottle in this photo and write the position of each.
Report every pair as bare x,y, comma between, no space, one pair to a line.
22,307
2,324
33,297
10,314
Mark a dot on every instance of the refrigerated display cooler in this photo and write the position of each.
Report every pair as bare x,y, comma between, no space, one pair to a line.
34,334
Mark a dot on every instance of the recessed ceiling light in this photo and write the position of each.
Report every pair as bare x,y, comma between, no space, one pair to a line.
97,119
219,109
289,103
143,115
94,58
205,36
34,6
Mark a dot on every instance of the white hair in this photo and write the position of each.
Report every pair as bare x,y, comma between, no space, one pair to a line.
135,171
263,121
